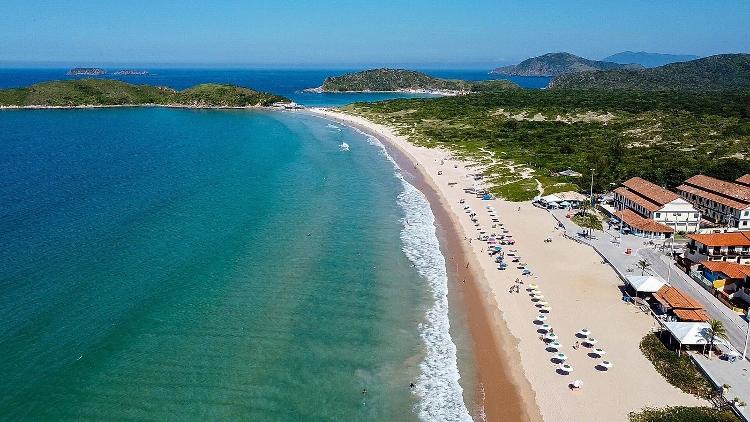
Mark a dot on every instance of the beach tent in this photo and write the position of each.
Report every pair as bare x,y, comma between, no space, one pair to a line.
550,201
645,283
692,333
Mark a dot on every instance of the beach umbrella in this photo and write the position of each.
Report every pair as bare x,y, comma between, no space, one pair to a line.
605,363
565,367
551,336
561,357
599,352
533,286
584,333
555,345
545,327
591,341
541,317
538,296
541,303
545,308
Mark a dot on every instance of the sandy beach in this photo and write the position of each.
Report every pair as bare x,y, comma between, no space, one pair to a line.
517,373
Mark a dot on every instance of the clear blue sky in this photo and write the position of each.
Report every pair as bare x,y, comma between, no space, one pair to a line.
360,32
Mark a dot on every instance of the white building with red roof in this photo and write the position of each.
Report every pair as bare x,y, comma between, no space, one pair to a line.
652,211
725,203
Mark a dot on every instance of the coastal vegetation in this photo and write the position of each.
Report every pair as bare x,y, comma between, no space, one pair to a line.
720,72
526,136
406,80
683,414
556,64
679,371
99,92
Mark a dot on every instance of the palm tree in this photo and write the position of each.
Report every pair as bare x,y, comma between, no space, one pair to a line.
716,329
643,265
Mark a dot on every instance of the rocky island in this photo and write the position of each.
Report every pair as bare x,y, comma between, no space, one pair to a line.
110,93
402,80
556,64
132,72
86,71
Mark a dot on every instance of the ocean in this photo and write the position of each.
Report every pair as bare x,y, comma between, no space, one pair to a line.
289,83
220,264
206,264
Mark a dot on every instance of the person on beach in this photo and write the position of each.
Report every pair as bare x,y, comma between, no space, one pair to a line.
577,345
364,391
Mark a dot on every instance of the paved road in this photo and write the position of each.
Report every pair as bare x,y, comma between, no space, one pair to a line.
606,244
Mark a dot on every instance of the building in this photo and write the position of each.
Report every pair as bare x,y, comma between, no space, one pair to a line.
724,203
731,282
676,302
744,180
653,211
727,247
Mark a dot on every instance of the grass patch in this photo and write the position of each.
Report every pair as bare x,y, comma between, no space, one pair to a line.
588,221
679,371
521,190
682,414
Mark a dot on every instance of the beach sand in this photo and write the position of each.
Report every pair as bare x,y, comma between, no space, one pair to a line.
515,371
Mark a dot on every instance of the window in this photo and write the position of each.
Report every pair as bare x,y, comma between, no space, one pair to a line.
657,215
677,214
695,215
744,223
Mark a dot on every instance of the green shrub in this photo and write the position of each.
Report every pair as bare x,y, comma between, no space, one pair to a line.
679,371
682,414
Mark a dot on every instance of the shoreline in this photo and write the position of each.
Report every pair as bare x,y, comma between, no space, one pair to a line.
320,90
505,392
516,368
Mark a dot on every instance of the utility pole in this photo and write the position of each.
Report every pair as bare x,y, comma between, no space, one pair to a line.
592,189
747,334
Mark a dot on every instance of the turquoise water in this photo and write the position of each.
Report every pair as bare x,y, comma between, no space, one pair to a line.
187,264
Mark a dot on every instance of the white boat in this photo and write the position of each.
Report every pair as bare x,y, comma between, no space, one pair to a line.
344,146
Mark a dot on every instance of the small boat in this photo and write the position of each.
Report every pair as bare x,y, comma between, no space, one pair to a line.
344,146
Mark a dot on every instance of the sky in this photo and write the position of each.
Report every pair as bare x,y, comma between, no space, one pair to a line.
313,33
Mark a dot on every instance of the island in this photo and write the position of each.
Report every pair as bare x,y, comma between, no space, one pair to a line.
86,71
402,80
713,73
109,93
132,72
556,64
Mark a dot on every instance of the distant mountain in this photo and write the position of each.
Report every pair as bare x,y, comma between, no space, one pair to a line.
402,80
556,64
713,73
649,59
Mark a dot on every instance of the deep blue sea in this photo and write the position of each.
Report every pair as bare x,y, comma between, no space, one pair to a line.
289,83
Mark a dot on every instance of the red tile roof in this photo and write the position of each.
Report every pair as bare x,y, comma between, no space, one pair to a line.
692,315
645,203
654,193
727,193
722,239
677,299
744,180
731,269
633,219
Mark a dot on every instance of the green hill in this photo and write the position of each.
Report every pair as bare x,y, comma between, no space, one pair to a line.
384,80
102,92
555,64
721,72
649,59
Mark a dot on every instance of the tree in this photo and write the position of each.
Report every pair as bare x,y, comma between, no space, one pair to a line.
644,265
716,329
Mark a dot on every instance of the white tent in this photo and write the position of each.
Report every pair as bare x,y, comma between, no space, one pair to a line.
645,283
692,333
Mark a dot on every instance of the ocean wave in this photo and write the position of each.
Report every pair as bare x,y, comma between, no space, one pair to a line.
441,395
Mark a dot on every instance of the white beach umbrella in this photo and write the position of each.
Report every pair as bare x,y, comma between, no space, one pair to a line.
541,317
591,341
561,357
565,367
584,333
605,363
599,352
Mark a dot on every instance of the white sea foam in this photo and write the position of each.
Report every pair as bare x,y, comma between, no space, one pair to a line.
441,396
332,126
